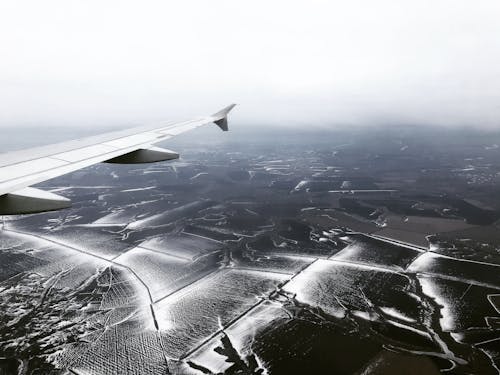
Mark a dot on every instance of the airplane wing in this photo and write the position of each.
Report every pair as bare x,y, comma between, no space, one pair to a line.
20,169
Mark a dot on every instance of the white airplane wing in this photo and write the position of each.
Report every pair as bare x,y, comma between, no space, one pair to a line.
20,169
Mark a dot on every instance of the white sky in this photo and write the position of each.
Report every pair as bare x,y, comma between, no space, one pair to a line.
310,62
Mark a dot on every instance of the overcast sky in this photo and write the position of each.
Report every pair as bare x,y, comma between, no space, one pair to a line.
309,63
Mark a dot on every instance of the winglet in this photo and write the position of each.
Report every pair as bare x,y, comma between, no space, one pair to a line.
220,118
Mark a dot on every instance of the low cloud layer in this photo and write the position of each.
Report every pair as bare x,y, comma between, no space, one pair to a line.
289,63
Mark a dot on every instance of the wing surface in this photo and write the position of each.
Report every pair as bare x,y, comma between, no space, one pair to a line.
21,169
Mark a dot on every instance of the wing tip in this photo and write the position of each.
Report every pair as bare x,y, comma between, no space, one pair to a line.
220,118
224,111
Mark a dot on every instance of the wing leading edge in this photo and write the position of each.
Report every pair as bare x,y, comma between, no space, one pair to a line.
21,169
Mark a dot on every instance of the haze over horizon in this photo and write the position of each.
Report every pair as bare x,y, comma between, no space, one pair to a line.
294,63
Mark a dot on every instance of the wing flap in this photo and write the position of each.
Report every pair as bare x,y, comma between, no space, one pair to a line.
14,171
84,153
